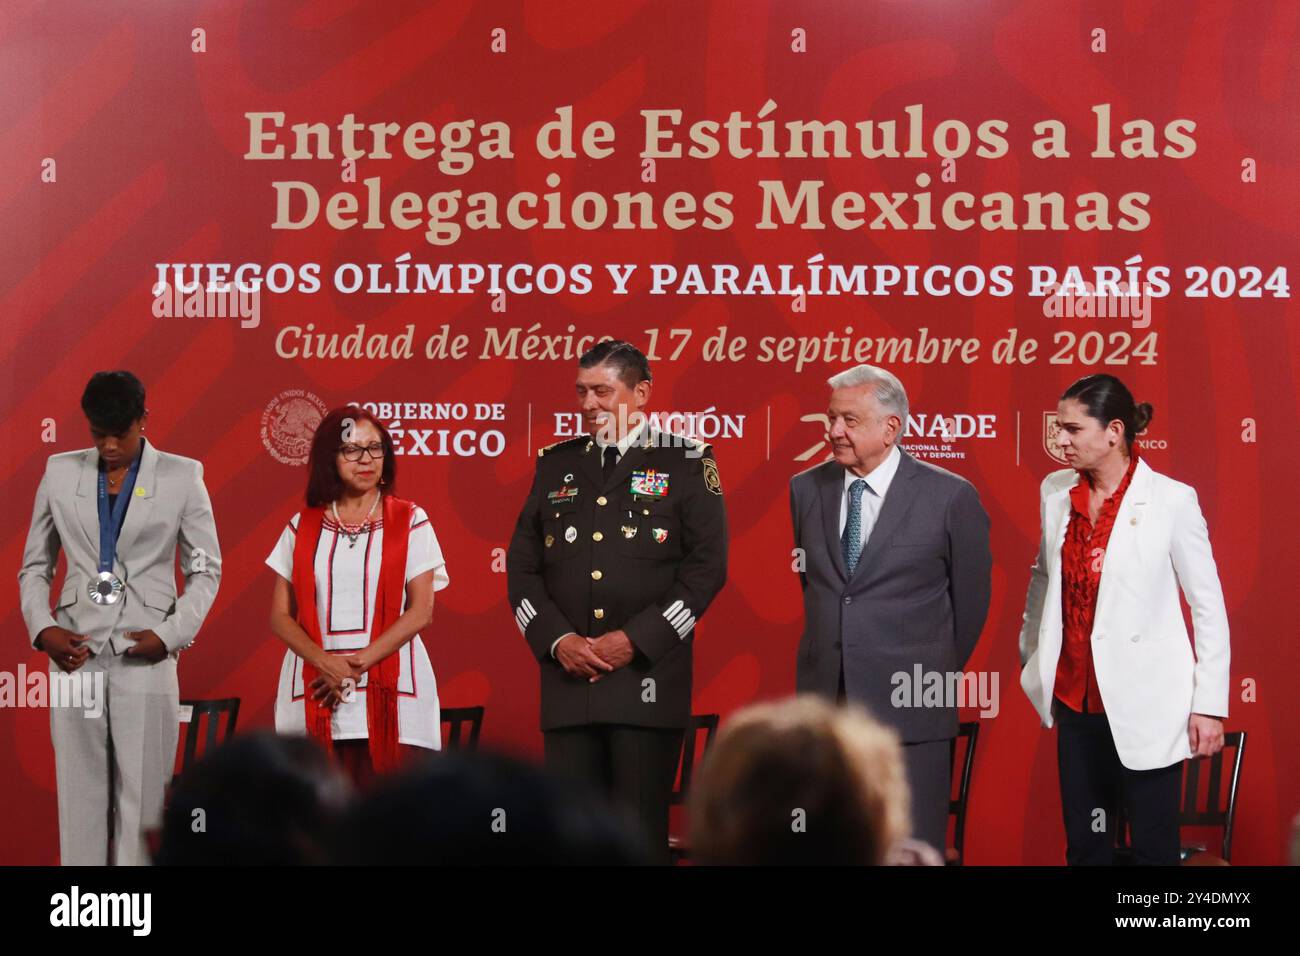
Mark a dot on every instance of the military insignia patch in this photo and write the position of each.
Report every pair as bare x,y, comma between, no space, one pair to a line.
629,531
550,540
660,535
564,494
650,483
570,534
711,479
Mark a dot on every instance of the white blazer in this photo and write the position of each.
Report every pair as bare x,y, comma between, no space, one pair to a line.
1150,684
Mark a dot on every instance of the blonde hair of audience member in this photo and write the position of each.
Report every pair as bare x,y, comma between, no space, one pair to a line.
800,781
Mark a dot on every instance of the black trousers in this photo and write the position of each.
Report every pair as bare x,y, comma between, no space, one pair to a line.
633,767
1093,779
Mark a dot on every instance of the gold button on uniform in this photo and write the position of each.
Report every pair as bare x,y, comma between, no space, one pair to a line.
597,536
602,501
596,575
598,614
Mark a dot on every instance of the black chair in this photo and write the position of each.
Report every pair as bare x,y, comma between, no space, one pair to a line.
969,731
458,718
1216,812
206,713
679,847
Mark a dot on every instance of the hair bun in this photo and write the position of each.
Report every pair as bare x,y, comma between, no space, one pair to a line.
1142,416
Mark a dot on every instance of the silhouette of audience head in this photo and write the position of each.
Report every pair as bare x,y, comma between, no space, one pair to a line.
800,781
467,808
259,799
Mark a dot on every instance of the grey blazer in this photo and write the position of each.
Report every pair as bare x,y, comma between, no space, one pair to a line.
919,594
169,510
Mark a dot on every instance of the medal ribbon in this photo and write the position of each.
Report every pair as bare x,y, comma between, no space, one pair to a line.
110,525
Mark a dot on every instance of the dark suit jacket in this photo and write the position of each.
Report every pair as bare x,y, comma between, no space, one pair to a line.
590,556
919,594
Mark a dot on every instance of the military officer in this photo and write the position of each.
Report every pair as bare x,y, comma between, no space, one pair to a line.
618,551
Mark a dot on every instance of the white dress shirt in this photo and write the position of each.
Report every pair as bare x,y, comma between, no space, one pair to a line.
623,444
873,496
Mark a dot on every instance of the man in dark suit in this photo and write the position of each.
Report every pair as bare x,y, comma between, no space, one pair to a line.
896,575
618,551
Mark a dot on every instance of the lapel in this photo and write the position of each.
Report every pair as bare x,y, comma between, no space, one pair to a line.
831,488
638,455
1056,517
902,491
590,463
142,498
87,504
1124,535
1124,545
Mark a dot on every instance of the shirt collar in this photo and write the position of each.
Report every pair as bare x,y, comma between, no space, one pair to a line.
1079,492
627,441
879,478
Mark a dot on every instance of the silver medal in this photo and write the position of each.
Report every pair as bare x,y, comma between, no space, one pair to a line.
105,588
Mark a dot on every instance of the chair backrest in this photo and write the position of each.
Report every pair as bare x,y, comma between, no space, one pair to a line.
1220,809
458,718
200,714
699,722
968,731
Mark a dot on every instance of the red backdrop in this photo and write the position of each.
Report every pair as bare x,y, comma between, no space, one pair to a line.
148,139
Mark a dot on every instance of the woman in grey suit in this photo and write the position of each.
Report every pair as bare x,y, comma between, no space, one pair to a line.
119,512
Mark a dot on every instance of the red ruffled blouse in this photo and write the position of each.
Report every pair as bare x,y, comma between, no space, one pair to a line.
1082,554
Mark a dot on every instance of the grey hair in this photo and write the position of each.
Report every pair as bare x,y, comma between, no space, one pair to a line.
888,389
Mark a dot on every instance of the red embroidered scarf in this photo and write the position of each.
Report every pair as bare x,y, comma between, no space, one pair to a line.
381,679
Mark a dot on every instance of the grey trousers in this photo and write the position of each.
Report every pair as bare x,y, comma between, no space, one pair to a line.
929,777
117,762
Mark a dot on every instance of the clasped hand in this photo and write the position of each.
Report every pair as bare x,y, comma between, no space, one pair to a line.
338,676
594,657
68,651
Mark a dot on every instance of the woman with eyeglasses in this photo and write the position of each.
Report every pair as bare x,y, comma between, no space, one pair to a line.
356,573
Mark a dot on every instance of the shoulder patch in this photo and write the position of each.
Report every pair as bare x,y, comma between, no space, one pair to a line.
711,479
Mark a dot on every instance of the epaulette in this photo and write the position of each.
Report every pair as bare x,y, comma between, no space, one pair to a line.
560,444
665,439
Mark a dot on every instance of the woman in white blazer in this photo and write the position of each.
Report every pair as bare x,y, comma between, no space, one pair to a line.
1104,651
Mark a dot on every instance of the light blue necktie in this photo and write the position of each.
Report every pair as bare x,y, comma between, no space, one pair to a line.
851,540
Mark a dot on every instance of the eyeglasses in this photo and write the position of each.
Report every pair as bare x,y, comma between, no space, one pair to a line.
355,452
